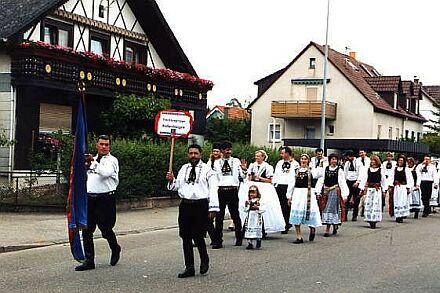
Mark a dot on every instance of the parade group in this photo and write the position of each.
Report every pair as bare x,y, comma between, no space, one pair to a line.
261,199
315,191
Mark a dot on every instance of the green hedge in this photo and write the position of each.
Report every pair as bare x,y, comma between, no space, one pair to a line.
143,164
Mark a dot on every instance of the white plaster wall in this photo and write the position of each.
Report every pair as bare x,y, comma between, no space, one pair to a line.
157,61
76,38
35,36
425,108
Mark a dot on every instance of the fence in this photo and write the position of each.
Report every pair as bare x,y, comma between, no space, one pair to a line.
18,189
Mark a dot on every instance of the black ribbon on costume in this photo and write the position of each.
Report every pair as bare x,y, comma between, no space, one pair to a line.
226,169
309,193
286,167
351,168
192,174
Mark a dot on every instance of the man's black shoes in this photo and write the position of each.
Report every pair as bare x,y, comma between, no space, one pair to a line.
85,266
188,272
204,267
116,254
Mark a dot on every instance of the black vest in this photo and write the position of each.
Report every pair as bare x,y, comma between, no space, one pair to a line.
374,177
400,176
302,180
331,177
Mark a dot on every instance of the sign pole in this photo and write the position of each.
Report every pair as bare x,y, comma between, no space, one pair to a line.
170,165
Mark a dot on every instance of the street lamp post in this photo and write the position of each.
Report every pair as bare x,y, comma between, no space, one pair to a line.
324,81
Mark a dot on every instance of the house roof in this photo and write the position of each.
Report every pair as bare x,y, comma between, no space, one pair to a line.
384,83
433,90
233,112
357,73
17,16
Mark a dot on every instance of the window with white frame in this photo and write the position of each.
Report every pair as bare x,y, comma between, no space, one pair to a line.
397,133
379,129
274,132
390,133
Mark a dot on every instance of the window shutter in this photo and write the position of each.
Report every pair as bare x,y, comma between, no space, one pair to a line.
54,117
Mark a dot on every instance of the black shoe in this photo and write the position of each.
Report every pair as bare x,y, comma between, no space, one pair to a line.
85,266
416,215
424,215
250,246
204,267
335,230
298,241
116,254
326,234
258,243
238,243
187,273
354,219
217,246
373,225
284,232
312,235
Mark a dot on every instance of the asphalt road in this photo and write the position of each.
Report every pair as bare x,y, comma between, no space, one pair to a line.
392,258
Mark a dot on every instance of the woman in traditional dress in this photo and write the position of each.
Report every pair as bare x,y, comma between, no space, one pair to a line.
374,186
415,196
398,196
301,196
253,223
333,191
260,173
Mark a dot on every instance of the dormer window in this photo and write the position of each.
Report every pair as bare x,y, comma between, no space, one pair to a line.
57,33
312,63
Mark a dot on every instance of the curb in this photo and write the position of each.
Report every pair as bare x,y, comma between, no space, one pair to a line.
13,248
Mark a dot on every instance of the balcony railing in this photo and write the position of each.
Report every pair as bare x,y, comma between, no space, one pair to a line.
69,68
302,109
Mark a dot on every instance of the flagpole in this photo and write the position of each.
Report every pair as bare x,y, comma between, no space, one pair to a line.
324,81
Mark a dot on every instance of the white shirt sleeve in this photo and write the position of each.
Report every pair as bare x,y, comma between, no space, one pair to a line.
177,182
213,191
343,184
409,178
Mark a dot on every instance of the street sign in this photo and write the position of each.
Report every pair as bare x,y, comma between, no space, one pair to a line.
173,123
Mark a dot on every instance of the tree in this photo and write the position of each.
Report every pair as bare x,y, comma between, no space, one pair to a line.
233,130
133,116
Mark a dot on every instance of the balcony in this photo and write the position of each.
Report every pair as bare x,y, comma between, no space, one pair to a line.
64,66
302,110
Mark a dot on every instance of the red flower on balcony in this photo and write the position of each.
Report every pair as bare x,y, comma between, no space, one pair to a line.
158,74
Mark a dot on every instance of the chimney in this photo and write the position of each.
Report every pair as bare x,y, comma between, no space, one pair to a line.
416,79
352,54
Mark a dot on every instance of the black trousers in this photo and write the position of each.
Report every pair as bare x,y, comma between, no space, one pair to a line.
101,212
426,189
227,198
193,224
282,191
354,193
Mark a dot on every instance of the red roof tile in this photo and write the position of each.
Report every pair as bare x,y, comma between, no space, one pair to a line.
384,83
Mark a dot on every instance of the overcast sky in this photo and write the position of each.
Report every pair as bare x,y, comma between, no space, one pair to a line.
236,42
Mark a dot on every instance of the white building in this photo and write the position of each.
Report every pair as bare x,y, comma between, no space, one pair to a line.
364,108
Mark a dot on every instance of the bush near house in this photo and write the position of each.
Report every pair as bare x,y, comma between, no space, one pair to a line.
143,164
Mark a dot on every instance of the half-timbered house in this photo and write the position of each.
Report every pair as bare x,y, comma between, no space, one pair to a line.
114,46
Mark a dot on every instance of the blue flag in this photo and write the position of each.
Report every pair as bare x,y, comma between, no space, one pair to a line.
77,198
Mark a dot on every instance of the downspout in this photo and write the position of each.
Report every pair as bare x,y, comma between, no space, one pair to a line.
11,129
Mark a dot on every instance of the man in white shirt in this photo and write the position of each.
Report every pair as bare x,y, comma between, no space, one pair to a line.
388,167
318,161
364,162
196,184
427,178
352,170
102,180
283,175
230,172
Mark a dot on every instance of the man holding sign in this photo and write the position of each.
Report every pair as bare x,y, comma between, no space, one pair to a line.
196,184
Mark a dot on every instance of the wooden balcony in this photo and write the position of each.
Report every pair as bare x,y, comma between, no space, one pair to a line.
302,110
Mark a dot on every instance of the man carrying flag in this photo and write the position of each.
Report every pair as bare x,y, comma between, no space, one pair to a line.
102,180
